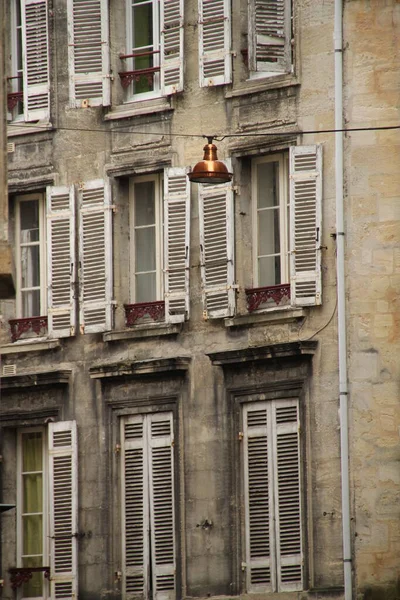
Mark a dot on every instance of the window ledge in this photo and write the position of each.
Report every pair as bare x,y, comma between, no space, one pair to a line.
24,128
36,379
256,86
30,345
138,332
141,367
286,314
134,109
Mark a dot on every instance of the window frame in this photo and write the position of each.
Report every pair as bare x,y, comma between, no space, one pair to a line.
39,196
284,222
16,114
159,230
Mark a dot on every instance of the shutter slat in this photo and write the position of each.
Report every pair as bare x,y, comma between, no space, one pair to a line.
269,35
305,224
171,45
215,42
176,244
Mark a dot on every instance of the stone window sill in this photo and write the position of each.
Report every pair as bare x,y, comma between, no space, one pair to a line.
30,345
263,84
286,314
143,107
23,128
148,330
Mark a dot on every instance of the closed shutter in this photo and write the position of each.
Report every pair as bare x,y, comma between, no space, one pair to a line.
171,47
176,244
215,42
95,256
258,492
35,60
135,509
216,214
88,53
270,35
287,495
161,475
63,510
305,224
61,261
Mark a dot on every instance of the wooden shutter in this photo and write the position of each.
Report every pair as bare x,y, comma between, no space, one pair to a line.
161,475
287,495
176,244
61,261
258,493
305,224
135,508
216,215
95,256
270,35
35,60
215,42
88,53
63,510
171,45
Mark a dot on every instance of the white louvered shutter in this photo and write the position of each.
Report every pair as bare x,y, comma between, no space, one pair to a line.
35,60
161,475
60,212
63,510
176,244
135,508
217,239
88,53
287,495
258,492
270,35
215,42
305,224
95,256
171,45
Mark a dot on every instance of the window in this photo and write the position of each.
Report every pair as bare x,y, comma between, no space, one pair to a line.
31,258
28,82
270,37
148,507
47,512
272,496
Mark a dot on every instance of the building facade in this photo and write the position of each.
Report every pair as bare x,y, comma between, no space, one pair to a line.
170,373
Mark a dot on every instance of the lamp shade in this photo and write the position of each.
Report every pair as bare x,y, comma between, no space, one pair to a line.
210,169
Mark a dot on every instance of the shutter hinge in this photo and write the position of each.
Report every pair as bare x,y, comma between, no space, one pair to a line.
117,576
240,436
205,315
244,566
117,449
236,189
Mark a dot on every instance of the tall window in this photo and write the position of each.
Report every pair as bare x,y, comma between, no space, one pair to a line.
271,220
146,233
143,42
30,263
16,108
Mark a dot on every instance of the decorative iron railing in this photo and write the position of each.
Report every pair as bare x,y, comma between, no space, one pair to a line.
152,310
34,325
21,575
270,296
137,75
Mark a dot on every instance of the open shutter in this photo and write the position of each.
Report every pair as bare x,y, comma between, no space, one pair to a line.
171,21
88,53
305,224
258,493
63,510
35,60
95,256
215,42
269,35
287,495
217,239
135,508
176,244
61,261
161,473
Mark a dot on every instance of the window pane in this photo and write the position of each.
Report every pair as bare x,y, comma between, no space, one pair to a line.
142,25
269,271
30,266
32,451
268,184
32,531
29,211
268,232
32,491
145,245
146,288
145,203
30,304
34,587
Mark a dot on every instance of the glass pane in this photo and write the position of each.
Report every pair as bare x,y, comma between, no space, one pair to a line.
34,587
32,490
142,25
32,532
30,266
268,232
29,211
268,184
145,203
145,246
269,271
32,451
30,304
146,288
